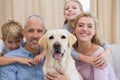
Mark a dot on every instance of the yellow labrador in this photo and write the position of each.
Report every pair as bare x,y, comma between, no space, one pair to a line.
58,44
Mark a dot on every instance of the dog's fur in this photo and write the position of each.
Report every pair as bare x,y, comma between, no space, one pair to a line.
58,44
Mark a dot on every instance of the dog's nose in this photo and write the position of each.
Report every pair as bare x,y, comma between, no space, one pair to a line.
57,46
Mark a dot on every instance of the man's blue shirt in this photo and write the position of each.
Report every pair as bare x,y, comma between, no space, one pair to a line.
18,71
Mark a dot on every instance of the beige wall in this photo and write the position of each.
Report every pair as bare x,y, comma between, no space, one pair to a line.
50,10
107,12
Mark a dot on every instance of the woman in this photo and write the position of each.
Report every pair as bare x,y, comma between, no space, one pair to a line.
89,44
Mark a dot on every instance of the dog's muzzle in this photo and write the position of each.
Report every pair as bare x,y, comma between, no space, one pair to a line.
57,51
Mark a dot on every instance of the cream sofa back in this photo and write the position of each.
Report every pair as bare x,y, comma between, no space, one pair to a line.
115,59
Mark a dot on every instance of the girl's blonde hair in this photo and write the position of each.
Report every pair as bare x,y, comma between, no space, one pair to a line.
79,4
95,38
12,29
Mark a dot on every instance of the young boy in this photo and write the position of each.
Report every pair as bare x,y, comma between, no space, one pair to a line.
11,39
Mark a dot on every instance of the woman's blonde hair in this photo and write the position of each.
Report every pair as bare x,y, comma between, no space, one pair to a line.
95,38
12,29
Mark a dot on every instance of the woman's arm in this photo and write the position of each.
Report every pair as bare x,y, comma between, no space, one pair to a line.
101,74
106,53
103,59
107,50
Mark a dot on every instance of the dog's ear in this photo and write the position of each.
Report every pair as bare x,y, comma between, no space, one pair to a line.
43,42
71,39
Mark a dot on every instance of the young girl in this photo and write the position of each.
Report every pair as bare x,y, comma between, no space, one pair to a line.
11,39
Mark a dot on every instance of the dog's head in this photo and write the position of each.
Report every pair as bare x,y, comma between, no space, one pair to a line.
57,42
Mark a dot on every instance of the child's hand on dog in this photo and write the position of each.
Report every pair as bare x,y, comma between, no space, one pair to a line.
38,59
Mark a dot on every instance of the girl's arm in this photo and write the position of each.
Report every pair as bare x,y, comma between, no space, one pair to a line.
99,61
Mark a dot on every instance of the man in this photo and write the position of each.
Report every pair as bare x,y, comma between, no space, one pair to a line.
33,30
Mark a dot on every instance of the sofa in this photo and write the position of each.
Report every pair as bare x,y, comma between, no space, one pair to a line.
115,59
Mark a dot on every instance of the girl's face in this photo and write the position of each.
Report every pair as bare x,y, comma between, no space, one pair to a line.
71,10
85,29
12,44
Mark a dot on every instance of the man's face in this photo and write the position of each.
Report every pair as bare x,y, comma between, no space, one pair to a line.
33,31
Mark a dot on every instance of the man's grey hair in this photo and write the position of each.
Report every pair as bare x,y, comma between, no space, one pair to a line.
35,17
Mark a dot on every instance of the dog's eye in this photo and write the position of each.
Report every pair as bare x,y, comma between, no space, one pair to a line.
63,37
51,37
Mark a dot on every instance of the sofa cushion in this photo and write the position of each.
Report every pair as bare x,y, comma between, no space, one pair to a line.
115,59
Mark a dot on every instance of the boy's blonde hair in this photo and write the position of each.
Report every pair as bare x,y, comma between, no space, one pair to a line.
12,29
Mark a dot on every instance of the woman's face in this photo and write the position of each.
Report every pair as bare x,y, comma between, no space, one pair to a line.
71,10
85,29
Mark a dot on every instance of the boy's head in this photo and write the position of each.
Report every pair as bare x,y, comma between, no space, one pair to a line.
12,34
